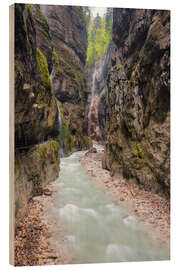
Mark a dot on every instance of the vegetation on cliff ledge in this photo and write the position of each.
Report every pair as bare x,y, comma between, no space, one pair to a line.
99,36
43,65
48,149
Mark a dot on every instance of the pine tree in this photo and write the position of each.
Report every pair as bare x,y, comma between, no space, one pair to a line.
87,15
99,35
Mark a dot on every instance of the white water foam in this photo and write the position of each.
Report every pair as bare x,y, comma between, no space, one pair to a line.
98,230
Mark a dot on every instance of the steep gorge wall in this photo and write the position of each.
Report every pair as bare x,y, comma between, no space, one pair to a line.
138,116
50,53
98,112
69,40
36,112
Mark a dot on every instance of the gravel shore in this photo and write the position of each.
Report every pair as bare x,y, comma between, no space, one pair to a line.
151,208
35,240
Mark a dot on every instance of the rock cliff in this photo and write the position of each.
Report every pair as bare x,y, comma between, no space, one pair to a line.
36,112
69,40
97,114
50,53
138,115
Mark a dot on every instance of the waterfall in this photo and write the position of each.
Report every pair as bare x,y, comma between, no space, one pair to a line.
92,99
43,8
61,152
59,112
59,115
97,75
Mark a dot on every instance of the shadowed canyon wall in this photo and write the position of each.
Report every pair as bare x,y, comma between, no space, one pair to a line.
69,40
49,60
36,113
138,115
97,79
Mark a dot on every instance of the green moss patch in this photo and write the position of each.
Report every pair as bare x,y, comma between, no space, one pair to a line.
30,7
44,24
138,151
134,74
42,151
55,148
42,63
56,60
49,150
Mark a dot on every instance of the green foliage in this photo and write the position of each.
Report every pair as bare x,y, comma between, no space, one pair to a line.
30,7
134,74
86,140
99,36
44,24
138,151
56,60
41,93
86,15
49,149
80,14
42,63
42,152
55,148
109,19
70,70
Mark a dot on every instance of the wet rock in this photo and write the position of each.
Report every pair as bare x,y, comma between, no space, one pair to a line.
36,113
32,85
138,115
47,192
93,150
69,41
98,110
133,196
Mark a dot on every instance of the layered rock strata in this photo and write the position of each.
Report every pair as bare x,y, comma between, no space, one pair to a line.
69,40
36,112
50,53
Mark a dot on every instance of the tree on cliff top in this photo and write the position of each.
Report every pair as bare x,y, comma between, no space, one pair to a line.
99,36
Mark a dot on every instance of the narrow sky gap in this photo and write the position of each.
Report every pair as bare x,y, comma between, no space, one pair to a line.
98,10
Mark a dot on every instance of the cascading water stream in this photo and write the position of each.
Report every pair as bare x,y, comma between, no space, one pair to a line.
97,230
61,152
92,100
97,78
59,115
43,8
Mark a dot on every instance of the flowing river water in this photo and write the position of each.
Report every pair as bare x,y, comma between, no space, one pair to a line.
97,230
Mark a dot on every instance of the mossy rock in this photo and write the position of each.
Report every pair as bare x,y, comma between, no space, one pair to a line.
134,75
138,151
44,24
30,7
65,136
48,149
42,152
56,60
55,148
43,66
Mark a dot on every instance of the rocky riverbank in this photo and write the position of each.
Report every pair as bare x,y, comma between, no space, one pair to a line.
151,208
35,242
